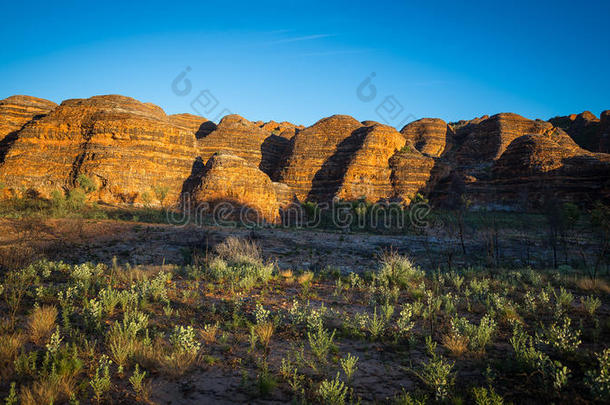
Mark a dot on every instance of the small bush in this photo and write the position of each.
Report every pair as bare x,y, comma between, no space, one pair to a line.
333,392
321,342
86,184
479,336
599,380
397,270
562,337
483,396
437,375
348,364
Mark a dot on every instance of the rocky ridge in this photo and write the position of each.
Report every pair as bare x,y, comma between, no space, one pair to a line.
131,149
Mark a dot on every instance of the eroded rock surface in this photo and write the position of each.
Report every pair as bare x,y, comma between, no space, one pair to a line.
537,167
368,174
15,112
128,148
584,128
431,136
132,149
227,178
318,157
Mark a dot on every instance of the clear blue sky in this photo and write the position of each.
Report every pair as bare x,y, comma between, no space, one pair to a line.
304,60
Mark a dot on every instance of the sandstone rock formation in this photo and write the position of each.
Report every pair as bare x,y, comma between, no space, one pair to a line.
243,190
126,147
368,173
237,135
15,112
413,173
491,164
192,123
318,156
339,157
535,167
488,139
132,149
277,128
431,136
583,128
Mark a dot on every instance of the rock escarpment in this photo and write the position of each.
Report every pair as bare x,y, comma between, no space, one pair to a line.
368,174
245,139
126,147
338,157
236,135
486,140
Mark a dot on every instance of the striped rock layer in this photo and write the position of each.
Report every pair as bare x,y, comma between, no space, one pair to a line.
132,150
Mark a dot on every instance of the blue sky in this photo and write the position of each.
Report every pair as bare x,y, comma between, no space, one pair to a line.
301,61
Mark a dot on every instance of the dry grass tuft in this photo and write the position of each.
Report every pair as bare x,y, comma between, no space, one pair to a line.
9,349
48,391
264,332
287,275
305,278
241,251
208,333
456,344
41,323
597,285
176,364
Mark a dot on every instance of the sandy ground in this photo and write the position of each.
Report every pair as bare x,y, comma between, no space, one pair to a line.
76,241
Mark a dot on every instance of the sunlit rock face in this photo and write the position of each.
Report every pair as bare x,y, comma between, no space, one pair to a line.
318,156
131,150
430,136
128,148
15,113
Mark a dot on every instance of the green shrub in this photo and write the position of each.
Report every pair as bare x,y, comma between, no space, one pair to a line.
101,380
407,149
438,376
348,364
562,337
483,396
397,270
333,392
183,340
599,380
590,304
479,336
321,342
86,184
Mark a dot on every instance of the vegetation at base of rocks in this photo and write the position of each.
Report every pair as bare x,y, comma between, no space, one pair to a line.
75,204
94,333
